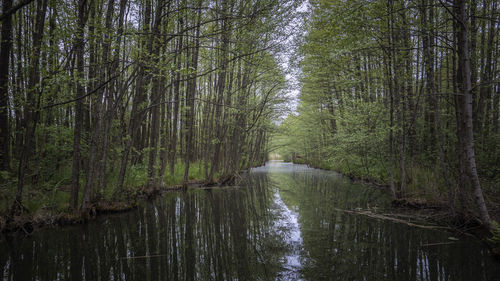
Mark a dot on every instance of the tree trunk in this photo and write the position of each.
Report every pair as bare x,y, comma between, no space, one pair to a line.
33,99
176,101
96,116
80,91
464,73
109,71
221,85
391,105
191,93
137,112
154,51
5,47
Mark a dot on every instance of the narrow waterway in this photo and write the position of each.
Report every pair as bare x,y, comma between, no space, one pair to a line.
283,223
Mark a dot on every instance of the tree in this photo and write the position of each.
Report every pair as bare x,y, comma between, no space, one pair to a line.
5,47
464,108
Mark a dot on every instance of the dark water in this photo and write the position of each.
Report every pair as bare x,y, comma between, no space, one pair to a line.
283,223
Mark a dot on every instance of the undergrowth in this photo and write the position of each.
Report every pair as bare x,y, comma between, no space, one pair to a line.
52,196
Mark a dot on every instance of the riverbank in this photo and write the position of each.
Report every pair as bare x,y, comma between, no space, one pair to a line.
27,222
52,207
47,203
435,211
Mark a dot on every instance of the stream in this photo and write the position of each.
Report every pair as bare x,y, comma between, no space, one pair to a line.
284,222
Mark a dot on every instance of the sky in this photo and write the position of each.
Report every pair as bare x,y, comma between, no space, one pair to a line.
288,57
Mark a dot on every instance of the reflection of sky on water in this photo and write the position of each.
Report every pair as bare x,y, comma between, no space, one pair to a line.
288,228
278,166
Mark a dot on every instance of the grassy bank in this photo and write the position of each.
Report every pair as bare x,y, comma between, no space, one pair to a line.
48,202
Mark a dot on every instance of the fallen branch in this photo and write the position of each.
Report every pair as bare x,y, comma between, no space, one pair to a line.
143,257
437,244
384,217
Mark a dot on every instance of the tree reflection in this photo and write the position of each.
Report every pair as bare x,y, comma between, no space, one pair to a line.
231,234
344,246
219,234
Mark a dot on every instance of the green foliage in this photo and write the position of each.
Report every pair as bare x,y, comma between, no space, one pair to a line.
136,176
360,138
33,205
495,231
196,172
55,166
4,176
368,109
53,201
488,157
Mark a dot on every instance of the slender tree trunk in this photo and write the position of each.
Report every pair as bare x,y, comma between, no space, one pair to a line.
391,105
221,85
166,114
154,50
176,101
33,99
464,72
191,93
486,90
80,91
210,111
137,112
95,137
5,47
19,93
115,65
107,99
165,117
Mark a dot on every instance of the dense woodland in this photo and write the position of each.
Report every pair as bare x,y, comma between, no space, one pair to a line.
102,97
404,93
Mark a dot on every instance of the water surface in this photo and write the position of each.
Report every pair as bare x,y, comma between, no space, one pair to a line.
284,222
